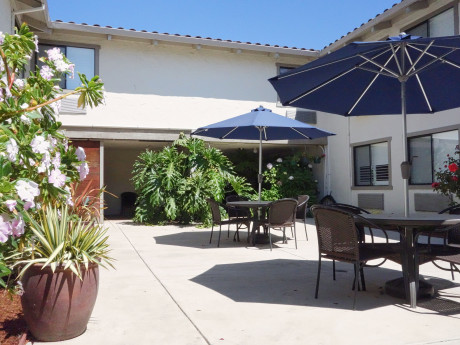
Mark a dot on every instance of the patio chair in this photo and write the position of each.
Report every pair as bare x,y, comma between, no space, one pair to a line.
302,209
281,214
338,240
449,251
217,219
241,213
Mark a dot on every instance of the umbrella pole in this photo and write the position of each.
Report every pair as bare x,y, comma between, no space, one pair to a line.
259,176
405,164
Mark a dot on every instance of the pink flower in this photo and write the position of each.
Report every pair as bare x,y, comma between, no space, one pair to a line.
46,72
435,185
81,155
454,178
83,169
11,204
28,204
453,167
5,229
18,227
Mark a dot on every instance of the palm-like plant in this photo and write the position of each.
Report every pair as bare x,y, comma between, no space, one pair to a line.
62,239
173,184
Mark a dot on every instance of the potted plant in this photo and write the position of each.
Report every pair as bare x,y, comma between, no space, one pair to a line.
60,272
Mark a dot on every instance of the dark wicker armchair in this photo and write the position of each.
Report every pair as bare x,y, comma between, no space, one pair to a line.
237,213
217,219
302,209
281,214
338,240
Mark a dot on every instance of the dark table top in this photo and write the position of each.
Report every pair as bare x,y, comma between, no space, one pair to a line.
249,203
418,219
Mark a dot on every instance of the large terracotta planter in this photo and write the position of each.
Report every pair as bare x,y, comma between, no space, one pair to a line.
57,306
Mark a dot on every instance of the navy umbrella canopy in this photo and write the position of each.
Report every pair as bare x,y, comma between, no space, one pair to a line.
263,125
402,75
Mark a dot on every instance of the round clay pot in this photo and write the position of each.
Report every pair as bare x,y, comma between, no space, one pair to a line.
57,306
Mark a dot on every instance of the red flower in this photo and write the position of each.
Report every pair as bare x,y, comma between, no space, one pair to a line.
434,185
454,178
453,167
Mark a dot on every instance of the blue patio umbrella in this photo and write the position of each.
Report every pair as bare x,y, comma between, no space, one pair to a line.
402,75
263,125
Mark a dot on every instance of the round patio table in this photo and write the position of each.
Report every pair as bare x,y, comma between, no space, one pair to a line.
255,206
408,228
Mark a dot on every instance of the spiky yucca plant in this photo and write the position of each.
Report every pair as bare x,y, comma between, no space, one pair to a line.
62,239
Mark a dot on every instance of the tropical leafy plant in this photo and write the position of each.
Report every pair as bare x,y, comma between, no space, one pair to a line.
173,184
59,238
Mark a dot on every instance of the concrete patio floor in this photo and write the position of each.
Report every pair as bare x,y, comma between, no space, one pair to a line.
172,287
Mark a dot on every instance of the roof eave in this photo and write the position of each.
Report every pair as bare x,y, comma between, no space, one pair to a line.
153,36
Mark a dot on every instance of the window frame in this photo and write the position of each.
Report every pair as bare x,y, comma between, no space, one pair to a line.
73,45
437,13
353,146
278,66
429,133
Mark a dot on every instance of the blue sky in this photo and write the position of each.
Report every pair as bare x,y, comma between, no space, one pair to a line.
294,23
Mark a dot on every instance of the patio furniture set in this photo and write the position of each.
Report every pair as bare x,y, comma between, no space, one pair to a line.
349,234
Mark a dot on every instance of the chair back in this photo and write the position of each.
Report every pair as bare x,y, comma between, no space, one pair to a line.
302,204
282,212
350,208
337,233
451,210
236,211
215,211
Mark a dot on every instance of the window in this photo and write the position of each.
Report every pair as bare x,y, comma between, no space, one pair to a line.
371,165
83,58
437,26
428,153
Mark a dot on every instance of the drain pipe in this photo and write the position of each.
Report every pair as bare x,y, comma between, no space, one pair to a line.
29,10
326,185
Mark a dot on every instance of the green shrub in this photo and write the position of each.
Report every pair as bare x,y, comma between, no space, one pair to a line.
173,184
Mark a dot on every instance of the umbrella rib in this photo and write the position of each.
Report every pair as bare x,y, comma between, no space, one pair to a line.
419,81
419,58
302,134
331,63
377,72
396,58
378,65
265,133
227,134
437,58
372,82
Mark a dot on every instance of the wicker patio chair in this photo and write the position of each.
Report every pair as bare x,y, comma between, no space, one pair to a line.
338,240
237,213
281,214
217,219
302,209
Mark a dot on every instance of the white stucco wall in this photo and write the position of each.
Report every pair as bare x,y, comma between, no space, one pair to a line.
5,16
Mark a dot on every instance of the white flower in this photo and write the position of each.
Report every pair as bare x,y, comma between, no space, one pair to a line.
80,152
56,107
36,43
19,83
291,177
57,178
61,66
12,149
24,106
316,181
269,166
25,119
310,166
68,200
46,72
2,37
279,160
27,190
11,204
54,54
72,71
18,226
83,169
5,228
45,164
39,144
56,161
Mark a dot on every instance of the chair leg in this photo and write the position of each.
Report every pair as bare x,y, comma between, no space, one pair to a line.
363,282
452,269
212,229
220,231
317,277
295,236
333,269
305,226
356,282
270,236
228,230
